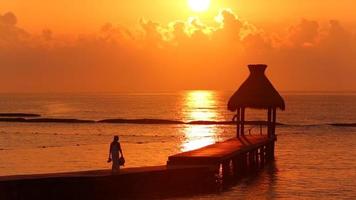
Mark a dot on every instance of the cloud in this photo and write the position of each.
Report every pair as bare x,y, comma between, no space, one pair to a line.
8,19
10,34
305,33
180,55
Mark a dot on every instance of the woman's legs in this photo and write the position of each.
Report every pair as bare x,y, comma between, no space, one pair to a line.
115,164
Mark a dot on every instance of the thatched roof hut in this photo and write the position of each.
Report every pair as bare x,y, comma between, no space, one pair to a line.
256,92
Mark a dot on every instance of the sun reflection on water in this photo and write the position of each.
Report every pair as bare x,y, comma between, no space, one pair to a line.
197,136
199,106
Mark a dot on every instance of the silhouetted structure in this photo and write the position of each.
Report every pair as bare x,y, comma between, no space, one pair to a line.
243,154
256,92
132,183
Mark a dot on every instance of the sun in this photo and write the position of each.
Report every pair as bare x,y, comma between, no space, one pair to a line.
199,5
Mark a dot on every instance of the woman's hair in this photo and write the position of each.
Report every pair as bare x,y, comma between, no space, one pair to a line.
116,138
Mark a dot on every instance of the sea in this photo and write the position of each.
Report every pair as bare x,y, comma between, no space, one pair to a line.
315,151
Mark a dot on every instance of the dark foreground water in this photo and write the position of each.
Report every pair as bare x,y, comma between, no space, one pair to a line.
314,160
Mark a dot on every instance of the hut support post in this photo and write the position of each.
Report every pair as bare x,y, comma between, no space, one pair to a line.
274,118
269,127
238,119
242,132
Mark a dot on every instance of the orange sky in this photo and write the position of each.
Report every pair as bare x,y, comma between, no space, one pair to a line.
116,45
85,15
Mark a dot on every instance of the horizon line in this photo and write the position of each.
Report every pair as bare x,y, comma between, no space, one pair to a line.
176,91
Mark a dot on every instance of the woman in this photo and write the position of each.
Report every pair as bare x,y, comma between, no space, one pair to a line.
114,154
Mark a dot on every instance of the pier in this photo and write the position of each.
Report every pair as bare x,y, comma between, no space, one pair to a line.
131,183
188,172
236,157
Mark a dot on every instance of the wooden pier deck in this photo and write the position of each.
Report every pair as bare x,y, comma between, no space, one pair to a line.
84,174
220,151
130,183
236,156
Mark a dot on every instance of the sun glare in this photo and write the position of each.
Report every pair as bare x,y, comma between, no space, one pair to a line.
199,5
199,105
198,136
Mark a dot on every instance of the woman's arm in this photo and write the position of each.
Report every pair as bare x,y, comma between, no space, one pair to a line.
110,150
120,150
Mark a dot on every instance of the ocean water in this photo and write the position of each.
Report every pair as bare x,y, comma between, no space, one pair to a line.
314,159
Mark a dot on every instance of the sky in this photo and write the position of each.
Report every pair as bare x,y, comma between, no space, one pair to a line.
164,45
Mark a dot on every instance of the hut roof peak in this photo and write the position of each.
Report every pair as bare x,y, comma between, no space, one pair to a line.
256,91
257,68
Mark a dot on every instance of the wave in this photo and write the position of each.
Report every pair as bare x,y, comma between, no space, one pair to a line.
343,124
45,120
19,115
140,121
36,119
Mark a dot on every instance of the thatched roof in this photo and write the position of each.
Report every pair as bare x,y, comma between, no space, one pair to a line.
256,92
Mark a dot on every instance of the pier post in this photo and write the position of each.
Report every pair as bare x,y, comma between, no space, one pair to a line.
272,151
236,167
268,155
257,157
251,160
226,170
274,119
243,163
239,163
262,156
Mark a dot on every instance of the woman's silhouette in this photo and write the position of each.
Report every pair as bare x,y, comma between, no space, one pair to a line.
114,154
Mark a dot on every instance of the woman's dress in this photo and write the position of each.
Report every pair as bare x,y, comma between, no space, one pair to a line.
115,156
